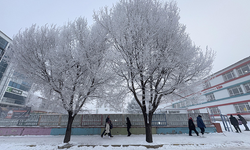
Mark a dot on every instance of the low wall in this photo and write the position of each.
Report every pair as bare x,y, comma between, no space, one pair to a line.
20,131
7,131
93,124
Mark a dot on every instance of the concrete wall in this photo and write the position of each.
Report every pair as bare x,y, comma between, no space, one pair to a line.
7,131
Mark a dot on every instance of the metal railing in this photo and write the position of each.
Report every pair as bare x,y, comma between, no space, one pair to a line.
97,120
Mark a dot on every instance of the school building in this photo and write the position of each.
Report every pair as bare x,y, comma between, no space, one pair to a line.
14,87
225,92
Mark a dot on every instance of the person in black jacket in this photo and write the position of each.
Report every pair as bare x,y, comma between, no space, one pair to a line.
235,123
191,127
128,126
244,122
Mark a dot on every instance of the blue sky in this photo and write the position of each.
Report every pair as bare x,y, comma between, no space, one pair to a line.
222,25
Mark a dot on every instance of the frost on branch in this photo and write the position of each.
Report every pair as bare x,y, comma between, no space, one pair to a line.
153,53
68,60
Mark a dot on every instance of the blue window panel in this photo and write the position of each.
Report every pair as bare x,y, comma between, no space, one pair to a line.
3,43
10,83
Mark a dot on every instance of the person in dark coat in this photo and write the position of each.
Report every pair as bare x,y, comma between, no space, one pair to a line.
244,122
191,127
201,124
107,129
128,126
235,123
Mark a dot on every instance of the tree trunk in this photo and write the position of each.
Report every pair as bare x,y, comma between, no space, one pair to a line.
148,126
69,126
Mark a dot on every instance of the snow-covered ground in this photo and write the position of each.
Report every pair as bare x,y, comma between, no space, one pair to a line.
218,141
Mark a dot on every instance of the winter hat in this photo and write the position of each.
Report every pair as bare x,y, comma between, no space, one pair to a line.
199,115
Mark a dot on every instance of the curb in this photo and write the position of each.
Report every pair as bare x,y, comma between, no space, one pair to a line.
147,146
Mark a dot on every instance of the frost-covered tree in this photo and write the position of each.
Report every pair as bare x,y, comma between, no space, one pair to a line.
188,94
152,52
133,107
40,98
69,61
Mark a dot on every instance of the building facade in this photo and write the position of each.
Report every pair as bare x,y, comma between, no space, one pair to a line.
14,87
225,92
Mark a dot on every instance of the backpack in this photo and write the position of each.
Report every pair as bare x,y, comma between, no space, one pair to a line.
111,125
240,122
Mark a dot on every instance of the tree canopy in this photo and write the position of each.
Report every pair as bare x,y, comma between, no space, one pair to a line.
153,52
68,60
141,41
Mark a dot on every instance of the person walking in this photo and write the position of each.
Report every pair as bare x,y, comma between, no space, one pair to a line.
108,127
191,127
235,123
244,122
201,125
128,126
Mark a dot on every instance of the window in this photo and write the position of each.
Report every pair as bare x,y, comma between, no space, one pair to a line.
247,87
214,110
235,91
178,105
3,43
183,104
188,103
206,85
210,97
15,99
10,83
244,70
242,108
196,111
3,66
173,112
228,76
8,100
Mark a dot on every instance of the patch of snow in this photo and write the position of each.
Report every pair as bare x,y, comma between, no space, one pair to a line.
218,141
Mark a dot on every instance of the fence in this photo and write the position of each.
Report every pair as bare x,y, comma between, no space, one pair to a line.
97,120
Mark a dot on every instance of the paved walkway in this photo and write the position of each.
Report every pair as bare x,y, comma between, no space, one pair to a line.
226,140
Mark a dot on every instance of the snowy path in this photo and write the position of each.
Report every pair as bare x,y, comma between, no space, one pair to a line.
217,141
228,140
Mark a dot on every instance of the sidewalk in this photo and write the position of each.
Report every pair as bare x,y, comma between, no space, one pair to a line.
226,140
218,141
